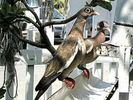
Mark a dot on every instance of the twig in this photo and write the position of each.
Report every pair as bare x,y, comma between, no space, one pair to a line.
60,22
27,19
123,24
26,40
31,42
32,11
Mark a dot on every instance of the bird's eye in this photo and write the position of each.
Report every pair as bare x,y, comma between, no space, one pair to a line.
87,10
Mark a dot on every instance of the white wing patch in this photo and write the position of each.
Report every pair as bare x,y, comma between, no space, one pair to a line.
89,46
89,50
72,57
79,45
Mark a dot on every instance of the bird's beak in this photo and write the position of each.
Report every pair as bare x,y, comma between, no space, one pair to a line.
96,13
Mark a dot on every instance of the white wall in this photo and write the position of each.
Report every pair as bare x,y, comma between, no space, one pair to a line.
123,35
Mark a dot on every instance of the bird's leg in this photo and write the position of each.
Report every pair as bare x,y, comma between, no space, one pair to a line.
85,71
69,81
64,78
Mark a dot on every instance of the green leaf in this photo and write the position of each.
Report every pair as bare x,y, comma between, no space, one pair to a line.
2,92
8,13
87,3
12,2
106,4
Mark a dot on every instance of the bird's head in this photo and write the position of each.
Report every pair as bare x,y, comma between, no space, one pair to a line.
103,27
87,11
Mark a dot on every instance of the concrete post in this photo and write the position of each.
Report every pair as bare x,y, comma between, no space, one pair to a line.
29,82
123,73
105,71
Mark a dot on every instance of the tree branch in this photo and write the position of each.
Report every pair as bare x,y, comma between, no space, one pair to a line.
32,11
46,40
48,46
60,22
16,32
41,26
27,19
43,34
123,24
31,42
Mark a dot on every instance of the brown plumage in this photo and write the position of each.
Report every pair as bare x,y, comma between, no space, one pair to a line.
72,45
102,36
91,45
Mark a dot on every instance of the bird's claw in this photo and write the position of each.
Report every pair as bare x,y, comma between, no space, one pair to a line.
70,82
86,73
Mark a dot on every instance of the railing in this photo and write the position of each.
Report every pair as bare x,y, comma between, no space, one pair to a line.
104,68
30,70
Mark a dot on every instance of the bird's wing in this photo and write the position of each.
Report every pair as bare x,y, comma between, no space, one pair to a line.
89,45
65,54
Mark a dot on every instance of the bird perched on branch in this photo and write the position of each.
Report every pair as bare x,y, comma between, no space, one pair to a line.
103,35
66,52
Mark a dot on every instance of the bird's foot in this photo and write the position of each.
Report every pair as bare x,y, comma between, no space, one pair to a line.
86,73
70,82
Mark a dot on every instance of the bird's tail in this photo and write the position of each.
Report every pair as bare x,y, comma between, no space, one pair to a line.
45,83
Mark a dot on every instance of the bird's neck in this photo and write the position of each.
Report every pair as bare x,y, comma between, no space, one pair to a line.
78,26
98,39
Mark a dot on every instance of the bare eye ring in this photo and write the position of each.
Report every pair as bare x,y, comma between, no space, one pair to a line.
87,10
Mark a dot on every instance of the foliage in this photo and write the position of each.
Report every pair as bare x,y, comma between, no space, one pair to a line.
9,14
9,44
12,2
103,3
2,92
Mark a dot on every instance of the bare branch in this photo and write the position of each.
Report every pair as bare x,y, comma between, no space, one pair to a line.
48,46
43,34
40,45
32,11
17,33
31,42
123,24
27,19
60,22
